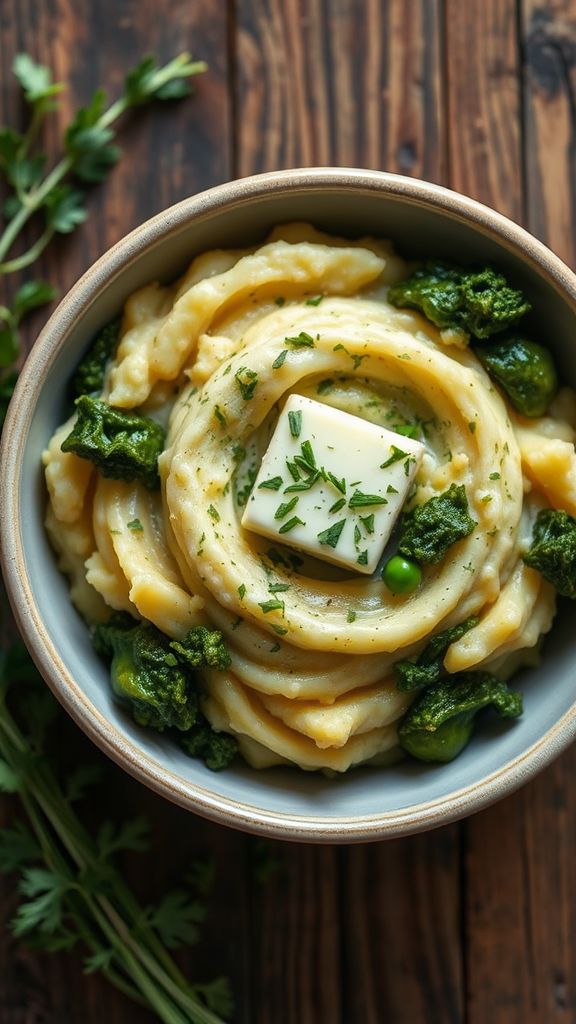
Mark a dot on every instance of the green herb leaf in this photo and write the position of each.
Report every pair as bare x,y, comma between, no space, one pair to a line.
315,301
273,484
302,340
64,209
147,81
337,505
88,142
295,422
295,521
279,361
331,536
397,455
30,296
129,835
35,79
286,507
242,591
273,605
135,525
361,500
247,380
176,918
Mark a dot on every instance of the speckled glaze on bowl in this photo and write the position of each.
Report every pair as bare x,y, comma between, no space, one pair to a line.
366,803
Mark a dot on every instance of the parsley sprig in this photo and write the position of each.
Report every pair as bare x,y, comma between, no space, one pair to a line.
71,890
49,195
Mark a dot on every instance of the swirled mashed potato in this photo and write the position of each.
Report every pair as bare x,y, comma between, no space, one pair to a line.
311,682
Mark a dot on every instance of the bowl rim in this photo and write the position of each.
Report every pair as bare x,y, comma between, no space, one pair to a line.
82,295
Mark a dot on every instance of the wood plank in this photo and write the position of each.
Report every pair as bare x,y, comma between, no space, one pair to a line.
170,151
295,935
401,931
356,84
549,36
484,102
340,83
519,870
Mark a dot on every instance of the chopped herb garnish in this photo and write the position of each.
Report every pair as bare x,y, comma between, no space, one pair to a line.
308,454
355,359
227,370
360,500
357,535
304,485
247,380
337,505
238,453
273,484
368,522
281,630
408,463
331,536
295,521
135,525
280,359
324,386
213,513
391,490
293,470
273,605
472,427
242,591
351,616
302,340
286,507
362,558
277,588
397,455
275,648
340,485
494,476
219,415
295,422
315,300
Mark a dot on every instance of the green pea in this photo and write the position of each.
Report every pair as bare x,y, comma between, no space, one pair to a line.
401,576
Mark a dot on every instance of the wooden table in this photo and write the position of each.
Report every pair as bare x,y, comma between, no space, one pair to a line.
475,922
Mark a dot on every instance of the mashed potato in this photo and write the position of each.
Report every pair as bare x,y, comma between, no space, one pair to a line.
310,683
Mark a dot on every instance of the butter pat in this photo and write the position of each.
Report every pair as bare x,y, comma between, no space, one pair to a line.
332,484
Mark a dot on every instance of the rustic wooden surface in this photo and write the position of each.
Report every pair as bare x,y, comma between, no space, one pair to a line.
474,923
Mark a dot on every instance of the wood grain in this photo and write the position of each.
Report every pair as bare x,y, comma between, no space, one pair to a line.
549,42
472,924
340,83
483,100
520,855
360,85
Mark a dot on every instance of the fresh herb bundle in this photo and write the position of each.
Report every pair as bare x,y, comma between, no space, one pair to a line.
71,889
53,197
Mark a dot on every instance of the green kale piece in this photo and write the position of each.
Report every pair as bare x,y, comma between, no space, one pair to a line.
146,675
429,666
123,445
216,749
440,722
89,376
428,530
202,647
474,302
524,369
553,550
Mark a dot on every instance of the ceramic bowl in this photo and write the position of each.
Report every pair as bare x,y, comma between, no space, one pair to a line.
366,803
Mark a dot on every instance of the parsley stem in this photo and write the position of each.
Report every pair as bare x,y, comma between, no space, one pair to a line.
35,199
149,967
31,254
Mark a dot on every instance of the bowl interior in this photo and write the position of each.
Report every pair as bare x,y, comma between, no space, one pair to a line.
365,802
